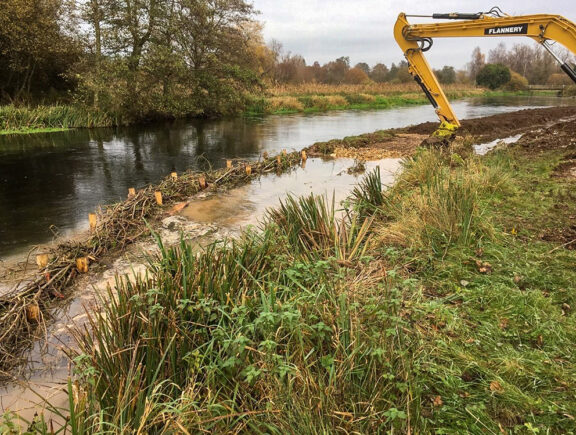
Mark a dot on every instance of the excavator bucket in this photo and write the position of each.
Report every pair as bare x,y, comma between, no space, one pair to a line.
445,129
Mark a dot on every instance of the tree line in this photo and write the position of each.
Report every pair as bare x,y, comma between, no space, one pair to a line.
137,58
524,64
292,68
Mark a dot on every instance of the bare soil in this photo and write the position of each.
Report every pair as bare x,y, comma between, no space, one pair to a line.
404,141
503,125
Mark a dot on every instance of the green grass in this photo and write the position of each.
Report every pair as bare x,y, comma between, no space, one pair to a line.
24,119
322,103
34,130
434,307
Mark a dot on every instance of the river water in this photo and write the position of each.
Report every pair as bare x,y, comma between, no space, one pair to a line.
50,182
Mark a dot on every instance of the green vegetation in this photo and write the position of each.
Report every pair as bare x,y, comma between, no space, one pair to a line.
493,76
33,130
314,98
15,119
433,307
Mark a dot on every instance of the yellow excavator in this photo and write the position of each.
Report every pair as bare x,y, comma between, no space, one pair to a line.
416,39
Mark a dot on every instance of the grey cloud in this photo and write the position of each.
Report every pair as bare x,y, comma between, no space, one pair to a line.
323,30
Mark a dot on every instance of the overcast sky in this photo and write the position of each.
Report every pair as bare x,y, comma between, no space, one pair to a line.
324,30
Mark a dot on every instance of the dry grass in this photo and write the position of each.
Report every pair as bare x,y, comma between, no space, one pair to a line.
366,89
284,103
444,208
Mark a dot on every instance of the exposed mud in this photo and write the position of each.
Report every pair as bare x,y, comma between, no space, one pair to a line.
403,142
503,125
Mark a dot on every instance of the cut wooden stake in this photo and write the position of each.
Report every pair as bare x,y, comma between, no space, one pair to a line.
228,164
33,312
174,175
42,260
131,192
82,264
284,152
279,160
202,182
158,196
248,170
93,221
304,156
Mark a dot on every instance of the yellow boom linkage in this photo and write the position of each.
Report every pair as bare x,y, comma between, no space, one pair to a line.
415,39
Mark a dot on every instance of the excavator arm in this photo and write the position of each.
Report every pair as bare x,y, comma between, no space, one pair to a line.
416,39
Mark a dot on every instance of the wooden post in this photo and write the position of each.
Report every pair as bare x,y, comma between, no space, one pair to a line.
158,196
202,182
93,221
82,264
279,159
33,312
304,156
174,176
248,170
228,164
284,152
42,260
131,192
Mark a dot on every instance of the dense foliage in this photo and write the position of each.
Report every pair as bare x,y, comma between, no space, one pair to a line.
493,76
133,58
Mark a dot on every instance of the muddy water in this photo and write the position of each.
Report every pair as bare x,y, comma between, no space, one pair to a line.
246,205
50,182
208,217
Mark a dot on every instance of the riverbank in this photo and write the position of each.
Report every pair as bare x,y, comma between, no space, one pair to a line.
281,100
46,119
442,304
312,98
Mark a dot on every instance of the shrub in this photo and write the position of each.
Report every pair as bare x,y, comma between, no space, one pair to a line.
493,76
356,76
559,79
517,82
360,98
284,103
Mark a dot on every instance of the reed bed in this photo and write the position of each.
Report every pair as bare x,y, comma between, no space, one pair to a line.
371,88
314,97
23,118
233,337
24,312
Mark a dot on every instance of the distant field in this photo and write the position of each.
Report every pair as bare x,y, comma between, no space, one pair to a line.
369,88
314,97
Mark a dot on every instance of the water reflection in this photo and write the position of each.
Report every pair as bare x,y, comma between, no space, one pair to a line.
50,182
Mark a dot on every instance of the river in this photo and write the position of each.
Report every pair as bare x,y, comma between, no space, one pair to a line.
50,182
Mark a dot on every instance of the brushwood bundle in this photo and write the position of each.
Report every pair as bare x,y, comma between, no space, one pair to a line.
25,311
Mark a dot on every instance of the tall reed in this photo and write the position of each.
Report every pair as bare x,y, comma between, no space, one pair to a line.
14,118
234,336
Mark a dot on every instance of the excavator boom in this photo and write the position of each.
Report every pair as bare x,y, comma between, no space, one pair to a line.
416,39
